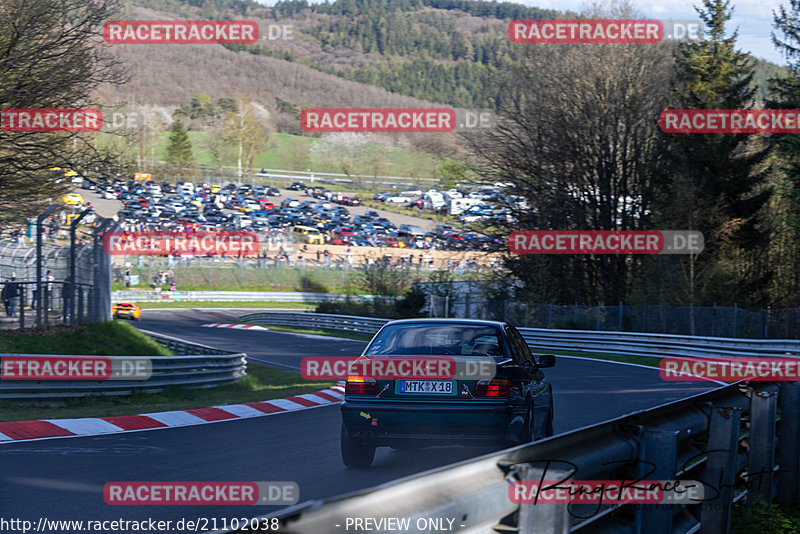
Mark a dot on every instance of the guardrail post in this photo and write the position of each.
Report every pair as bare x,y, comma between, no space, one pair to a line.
720,470
762,446
789,443
735,317
541,518
658,453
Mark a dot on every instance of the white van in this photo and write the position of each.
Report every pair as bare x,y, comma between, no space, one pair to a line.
433,200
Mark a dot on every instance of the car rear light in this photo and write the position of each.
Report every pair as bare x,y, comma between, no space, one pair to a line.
492,388
360,385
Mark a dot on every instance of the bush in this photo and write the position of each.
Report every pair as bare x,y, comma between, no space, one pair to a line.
387,308
766,518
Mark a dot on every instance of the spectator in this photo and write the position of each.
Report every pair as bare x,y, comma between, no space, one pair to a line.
10,295
6,296
35,294
173,287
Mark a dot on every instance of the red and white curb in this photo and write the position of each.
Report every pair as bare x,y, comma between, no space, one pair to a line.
236,326
92,426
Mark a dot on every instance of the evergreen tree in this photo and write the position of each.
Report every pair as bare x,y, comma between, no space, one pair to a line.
724,174
179,151
785,94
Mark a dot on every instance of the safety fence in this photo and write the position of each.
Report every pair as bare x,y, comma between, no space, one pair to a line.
62,283
217,174
197,366
714,321
737,443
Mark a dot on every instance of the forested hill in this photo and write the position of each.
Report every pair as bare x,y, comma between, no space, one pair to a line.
437,50
441,51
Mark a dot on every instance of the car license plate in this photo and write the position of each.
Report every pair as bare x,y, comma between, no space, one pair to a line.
431,387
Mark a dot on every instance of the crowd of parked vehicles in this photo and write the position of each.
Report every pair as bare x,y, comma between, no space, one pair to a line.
317,216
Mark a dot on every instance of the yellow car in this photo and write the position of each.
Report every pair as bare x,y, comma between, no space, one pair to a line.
73,199
216,188
127,310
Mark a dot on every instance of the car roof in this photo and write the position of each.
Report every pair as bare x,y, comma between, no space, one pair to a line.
443,320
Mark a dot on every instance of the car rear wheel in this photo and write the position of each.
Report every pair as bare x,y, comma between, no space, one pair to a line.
354,452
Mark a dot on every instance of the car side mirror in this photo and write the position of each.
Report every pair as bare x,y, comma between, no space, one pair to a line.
546,360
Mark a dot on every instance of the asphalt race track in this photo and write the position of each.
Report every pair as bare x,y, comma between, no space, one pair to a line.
63,478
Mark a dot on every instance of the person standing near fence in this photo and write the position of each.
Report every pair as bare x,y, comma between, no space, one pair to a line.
6,296
10,294
34,293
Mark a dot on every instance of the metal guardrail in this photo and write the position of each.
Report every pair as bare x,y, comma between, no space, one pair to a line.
622,343
322,177
351,323
197,366
739,442
228,296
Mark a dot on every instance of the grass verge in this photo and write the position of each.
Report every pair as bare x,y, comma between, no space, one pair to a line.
246,304
640,360
260,384
111,338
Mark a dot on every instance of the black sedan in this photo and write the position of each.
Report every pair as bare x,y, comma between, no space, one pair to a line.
513,406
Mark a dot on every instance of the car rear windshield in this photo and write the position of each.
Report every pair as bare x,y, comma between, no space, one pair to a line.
440,339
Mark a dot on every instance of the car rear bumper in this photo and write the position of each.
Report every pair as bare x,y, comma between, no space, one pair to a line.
398,423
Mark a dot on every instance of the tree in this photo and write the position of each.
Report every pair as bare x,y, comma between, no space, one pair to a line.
576,136
726,172
179,151
244,133
49,58
785,209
